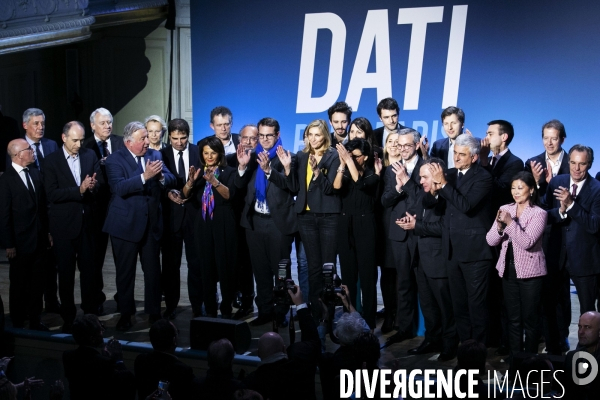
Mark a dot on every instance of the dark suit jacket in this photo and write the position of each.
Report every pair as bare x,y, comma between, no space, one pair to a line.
467,217
67,208
294,377
234,136
440,149
280,198
429,228
174,214
134,205
598,176
23,220
541,158
502,175
321,196
576,237
378,135
402,202
92,375
116,143
158,366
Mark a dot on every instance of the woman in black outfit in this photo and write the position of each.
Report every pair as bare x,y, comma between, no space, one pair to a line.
357,184
215,224
317,204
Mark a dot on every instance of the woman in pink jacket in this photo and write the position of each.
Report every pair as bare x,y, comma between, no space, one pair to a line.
519,228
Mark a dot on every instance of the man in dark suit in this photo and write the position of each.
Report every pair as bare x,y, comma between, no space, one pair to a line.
179,216
137,177
34,123
163,365
466,190
401,194
95,370
24,234
340,115
574,213
70,181
268,215
502,165
221,120
453,122
432,274
556,301
103,143
389,112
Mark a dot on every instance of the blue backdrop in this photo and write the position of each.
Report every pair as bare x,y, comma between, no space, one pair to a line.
527,62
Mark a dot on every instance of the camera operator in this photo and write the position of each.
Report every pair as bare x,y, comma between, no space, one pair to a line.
349,327
288,374
588,334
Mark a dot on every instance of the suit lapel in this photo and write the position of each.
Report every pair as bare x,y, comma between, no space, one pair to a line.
63,164
497,170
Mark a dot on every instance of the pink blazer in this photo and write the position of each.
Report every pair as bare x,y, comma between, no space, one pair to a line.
526,236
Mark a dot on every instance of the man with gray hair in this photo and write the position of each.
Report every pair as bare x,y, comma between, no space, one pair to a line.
466,189
401,195
137,177
103,143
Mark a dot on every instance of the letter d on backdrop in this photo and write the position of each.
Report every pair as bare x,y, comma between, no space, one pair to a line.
312,23
346,384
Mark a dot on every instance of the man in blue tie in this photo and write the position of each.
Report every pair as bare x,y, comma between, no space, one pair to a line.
137,178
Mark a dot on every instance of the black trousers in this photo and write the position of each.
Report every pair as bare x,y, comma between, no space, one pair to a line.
172,251
126,254
587,291
100,246
556,304
406,287
26,274
319,235
436,305
244,275
72,253
267,247
522,299
50,277
356,248
468,287
216,243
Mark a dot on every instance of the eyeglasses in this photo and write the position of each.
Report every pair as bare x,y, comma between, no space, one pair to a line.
406,146
249,138
267,136
25,149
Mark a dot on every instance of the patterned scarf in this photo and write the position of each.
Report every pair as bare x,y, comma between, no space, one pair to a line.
260,184
208,198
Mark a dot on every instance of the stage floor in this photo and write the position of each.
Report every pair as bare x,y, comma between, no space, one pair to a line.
139,332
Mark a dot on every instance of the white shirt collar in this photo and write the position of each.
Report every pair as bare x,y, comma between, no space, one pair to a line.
579,185
18,168
67,155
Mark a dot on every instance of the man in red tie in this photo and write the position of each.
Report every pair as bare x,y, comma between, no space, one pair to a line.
573,201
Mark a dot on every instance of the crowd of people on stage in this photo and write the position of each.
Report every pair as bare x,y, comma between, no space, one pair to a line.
486,242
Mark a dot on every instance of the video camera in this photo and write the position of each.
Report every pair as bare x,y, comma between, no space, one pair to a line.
283,284
331,286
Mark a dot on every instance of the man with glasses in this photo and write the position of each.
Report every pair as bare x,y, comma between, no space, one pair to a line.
24,234
221,120
268,215
401,194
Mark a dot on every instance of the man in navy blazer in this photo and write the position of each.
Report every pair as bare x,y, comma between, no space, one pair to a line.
70,179
556,300
103,143
574,247
137,177
179,216
466,190
24,234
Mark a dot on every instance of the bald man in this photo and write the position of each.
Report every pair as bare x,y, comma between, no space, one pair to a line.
24,234
288,374
589,342
71,181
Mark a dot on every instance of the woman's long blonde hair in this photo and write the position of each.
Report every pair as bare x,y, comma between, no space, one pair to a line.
323,127
386,156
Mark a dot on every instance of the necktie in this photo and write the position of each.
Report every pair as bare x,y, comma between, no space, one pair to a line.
181,167
29,184
460,175
38,155
140,167
493,162
574,191
105,149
